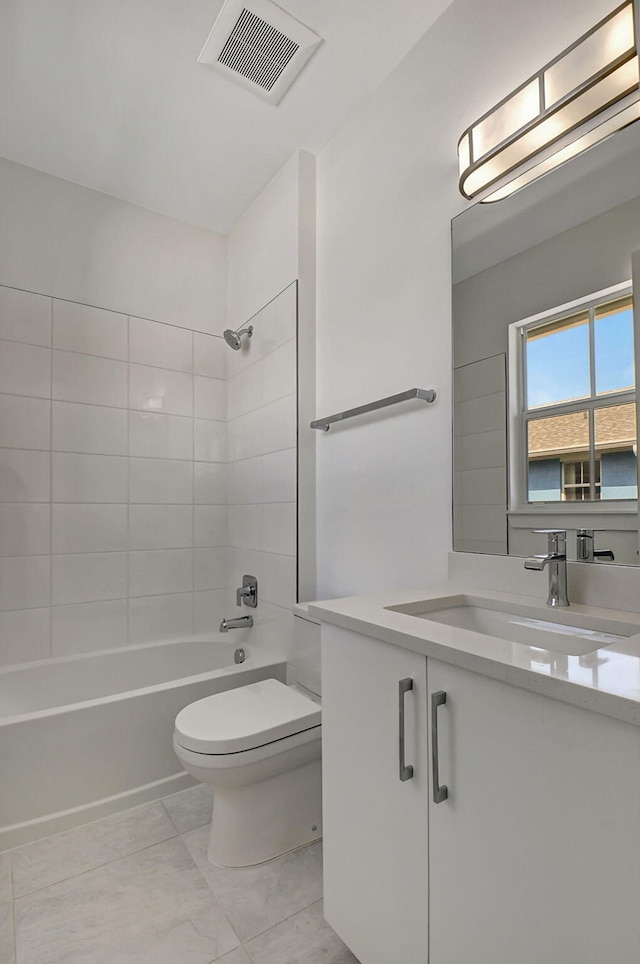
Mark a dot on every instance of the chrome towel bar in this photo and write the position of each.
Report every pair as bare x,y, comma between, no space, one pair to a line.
426,394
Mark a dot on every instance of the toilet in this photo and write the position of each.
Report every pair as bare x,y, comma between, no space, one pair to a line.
259,747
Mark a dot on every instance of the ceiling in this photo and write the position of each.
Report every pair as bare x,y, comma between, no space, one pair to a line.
109,95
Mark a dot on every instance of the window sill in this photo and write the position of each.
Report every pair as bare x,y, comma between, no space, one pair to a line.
547,516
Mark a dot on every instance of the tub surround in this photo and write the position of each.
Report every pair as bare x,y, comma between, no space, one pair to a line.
606,681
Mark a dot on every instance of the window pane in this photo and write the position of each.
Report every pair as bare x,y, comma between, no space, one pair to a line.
557,361
616,446
551,442
615,369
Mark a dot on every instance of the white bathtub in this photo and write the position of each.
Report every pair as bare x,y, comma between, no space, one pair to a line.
85,736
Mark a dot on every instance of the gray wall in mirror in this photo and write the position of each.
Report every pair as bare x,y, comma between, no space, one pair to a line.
565,237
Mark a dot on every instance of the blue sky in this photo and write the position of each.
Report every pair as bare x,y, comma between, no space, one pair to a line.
558,364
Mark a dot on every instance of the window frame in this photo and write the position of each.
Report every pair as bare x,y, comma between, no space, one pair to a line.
520,509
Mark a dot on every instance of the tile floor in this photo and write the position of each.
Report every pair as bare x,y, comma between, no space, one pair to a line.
137,888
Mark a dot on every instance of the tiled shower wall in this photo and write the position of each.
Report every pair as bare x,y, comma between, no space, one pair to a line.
113,518
262,412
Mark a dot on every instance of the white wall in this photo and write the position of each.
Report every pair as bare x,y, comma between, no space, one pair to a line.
70,242
387,190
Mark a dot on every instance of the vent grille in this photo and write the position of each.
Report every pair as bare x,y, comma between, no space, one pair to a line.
257,50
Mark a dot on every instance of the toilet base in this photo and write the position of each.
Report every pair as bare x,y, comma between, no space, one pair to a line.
260,821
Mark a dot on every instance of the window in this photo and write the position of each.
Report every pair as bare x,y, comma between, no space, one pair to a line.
578,404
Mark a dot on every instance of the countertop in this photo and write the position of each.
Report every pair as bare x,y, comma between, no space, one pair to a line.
606,681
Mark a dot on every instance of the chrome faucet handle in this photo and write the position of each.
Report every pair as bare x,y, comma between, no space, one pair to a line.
556,540
248,592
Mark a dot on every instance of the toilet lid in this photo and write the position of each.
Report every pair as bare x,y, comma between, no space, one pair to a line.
245,718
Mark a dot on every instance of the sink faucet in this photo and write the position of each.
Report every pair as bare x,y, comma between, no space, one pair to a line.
586,551
556,560
241,622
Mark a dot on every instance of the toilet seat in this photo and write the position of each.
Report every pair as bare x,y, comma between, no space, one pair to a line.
246,718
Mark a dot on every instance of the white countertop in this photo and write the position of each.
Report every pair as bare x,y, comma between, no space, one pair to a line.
606,681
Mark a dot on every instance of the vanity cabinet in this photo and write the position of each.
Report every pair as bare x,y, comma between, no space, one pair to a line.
375,824
531,857
535,854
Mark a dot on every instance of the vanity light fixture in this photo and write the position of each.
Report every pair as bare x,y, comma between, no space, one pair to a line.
582,96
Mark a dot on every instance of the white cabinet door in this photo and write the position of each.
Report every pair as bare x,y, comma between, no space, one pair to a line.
535,854
375,825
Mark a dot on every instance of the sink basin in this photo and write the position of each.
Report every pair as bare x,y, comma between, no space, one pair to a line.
557,631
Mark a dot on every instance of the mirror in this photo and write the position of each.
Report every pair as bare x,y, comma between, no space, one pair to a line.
544,349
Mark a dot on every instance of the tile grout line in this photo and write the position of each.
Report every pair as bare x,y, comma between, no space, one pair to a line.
50,489
128,566
193,482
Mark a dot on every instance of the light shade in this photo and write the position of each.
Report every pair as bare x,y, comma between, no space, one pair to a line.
577,99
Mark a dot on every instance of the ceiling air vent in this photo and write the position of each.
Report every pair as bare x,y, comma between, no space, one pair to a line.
256,44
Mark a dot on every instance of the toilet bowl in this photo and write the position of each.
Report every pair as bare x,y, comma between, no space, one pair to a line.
259,747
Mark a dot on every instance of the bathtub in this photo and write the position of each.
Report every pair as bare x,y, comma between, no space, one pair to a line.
85,736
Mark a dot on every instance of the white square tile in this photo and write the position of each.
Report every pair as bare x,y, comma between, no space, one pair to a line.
279,425
153,618
210,483
24,529
210,525
160,571
25,317
24,635
249,353
160,481
89,577
279,528
279,373
93,331
160,436
25,423
209,610
24,582
84,378
89,428
25,369
89,478
211,355
279,580
89,528
210,398
279,476
484,377
245,481
277,320
486,414
245,526
152,343
210,441
210,569
245,436
244,392
24,476
88,627
160,390
160,526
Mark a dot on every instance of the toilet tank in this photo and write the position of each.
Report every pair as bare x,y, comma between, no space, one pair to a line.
306,648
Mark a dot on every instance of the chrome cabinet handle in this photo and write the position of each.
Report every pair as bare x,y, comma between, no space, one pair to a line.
406,772
440,793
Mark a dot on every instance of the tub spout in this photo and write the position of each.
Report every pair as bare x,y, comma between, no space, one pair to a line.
242,622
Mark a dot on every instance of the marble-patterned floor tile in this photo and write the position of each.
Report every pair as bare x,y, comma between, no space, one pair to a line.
152,907
239,956
6,934
190,808
5,878
305,938
255,898
73,852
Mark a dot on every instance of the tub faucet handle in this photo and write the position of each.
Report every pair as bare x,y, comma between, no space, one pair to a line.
248,592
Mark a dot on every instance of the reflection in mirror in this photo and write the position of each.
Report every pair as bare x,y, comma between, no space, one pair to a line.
545,425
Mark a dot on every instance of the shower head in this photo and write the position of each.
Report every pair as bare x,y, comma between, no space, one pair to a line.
233,338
